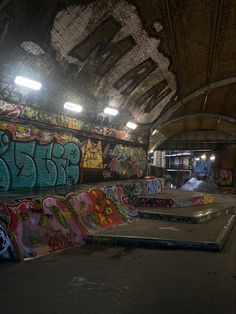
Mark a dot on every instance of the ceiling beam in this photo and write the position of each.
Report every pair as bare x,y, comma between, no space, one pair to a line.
201,115
214,40
165,116
174,54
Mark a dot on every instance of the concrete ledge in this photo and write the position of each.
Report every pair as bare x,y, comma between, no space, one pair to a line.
194,215
151,242
210,241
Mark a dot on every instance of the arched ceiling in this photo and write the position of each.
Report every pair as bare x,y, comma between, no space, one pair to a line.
168,65
184,124
198,140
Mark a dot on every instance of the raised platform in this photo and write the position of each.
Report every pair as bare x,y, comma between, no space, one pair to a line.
194,214
155,234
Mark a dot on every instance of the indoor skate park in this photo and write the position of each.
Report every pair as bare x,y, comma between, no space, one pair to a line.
117,156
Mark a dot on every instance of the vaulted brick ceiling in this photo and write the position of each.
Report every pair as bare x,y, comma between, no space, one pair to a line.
166,64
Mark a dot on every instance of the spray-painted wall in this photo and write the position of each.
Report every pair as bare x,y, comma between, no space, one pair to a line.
33,157
35,226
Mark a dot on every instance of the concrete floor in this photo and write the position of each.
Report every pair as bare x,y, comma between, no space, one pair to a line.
110,280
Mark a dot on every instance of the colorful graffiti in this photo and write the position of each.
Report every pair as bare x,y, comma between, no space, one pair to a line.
130,190
6,247
117,194
95,210
33,157
29,113
26,133
155,202
149,187
125,162
40,226
92,155
30,164
179,202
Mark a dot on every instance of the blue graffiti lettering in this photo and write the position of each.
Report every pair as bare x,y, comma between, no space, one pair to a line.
29,164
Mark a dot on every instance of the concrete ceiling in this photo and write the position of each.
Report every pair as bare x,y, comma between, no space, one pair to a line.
168,65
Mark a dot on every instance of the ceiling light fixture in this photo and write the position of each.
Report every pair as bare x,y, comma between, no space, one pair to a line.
212,158
111,111
131,125
197,158
150,151
203,156
73,107
23,81
154,132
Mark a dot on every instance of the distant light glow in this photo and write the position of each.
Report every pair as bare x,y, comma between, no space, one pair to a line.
150,151
131,125
73,107
154,132
212,158
111,111
203,156
23,81
197,158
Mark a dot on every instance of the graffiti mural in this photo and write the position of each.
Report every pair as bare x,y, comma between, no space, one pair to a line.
95,210
29,113
102,40
92,155
40,226
110,192
106,213
149,187
124,162
32,157
123,199
44,224
25,163
130,190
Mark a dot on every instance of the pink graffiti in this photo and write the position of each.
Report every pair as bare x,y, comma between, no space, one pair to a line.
197,201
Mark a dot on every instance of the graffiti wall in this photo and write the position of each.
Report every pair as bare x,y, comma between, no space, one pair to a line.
124,162
29,113
44,224
38,225
31,157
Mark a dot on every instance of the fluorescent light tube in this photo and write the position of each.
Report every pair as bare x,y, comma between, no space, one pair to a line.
23,81
73,107
131,125
111,111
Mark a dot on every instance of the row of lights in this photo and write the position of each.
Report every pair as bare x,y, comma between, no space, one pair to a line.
203,157
23,81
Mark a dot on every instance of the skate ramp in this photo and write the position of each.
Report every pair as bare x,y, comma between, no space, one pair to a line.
204,186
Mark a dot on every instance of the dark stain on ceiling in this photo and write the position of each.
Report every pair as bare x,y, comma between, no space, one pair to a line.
164,63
